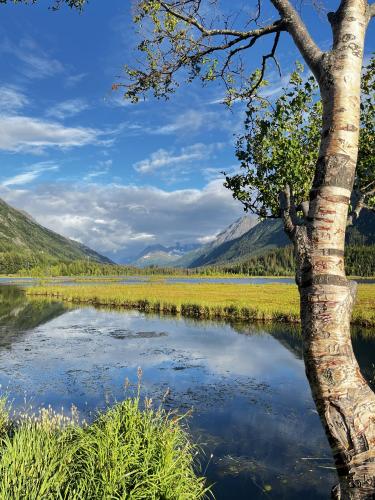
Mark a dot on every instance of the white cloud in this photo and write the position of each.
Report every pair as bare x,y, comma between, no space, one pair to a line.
94,174
120,220
73,80
23,133
12,99
190,121
36,62
32,173
101,169
203,240
117,99
163,158
67,108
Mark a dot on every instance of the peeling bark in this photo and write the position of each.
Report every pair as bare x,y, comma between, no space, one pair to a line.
344,401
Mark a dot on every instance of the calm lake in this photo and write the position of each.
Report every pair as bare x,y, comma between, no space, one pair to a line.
128,280
252,408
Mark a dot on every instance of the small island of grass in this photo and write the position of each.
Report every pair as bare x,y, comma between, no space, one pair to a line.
270,302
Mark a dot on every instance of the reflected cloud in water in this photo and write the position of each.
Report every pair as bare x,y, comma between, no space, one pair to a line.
252,404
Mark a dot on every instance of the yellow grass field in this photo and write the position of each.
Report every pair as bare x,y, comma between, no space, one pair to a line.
205,300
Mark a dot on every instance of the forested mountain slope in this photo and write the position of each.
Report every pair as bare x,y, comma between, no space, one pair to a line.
269,234
24,241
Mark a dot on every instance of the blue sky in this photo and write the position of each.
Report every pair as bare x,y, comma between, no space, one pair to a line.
93,167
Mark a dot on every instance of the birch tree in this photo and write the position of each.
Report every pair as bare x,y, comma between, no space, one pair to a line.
191,37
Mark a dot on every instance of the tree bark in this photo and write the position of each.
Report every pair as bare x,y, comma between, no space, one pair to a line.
345,402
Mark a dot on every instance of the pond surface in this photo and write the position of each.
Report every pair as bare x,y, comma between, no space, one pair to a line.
128,280
93,280
246,384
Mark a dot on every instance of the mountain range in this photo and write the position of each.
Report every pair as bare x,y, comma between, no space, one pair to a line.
26,243
247,237
160,255
188,255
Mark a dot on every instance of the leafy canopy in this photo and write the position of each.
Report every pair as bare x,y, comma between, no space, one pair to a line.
281,146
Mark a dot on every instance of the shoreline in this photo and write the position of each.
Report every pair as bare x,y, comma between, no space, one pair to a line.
204,301
161,277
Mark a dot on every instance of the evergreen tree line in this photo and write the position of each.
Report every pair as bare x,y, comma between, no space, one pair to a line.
360,261
41,265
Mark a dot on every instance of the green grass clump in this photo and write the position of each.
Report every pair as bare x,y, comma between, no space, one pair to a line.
269,302
126,453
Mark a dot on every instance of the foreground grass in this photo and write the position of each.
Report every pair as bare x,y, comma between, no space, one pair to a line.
205,300
126,453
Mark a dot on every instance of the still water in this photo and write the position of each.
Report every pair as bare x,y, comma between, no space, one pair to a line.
128,280
252,408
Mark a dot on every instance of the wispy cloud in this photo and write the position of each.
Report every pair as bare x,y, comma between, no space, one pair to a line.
100,170
73,80
163,158
203,240
116,99
67,108
30,174
190,121
275,87
12,99
36,62
27,134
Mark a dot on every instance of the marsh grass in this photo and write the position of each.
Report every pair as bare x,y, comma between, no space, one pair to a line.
270,302
127,452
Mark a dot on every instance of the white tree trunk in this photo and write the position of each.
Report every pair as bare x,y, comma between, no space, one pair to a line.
345,402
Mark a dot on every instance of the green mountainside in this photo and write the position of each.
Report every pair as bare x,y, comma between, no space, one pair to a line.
264,236
269,235
24,243
363,231
359,261
234,231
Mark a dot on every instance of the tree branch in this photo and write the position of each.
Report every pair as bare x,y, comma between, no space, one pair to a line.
358,204
270,55
301,36
253,35
241,35
366,189
288,212
304,207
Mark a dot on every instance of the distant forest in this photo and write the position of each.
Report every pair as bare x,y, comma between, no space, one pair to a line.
360,261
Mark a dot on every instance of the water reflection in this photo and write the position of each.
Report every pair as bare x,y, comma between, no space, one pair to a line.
129,280
17,315
246,383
